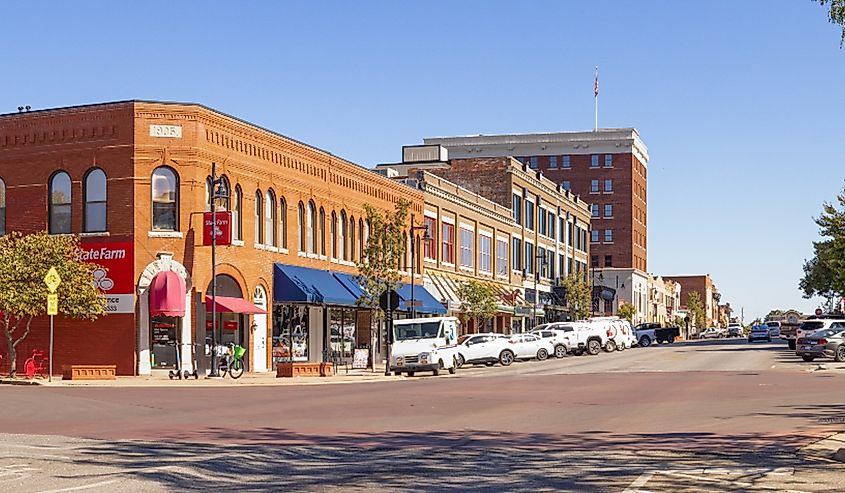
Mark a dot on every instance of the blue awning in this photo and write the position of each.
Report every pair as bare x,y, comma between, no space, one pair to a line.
350,282
426,303
305,285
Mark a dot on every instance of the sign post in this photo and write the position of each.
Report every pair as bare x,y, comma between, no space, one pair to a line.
388,301
52,280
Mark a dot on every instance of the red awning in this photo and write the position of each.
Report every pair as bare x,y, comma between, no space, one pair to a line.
167,295
227,304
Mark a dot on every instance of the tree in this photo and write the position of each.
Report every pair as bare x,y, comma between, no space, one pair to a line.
24,262
836,15
678,322
627,311
578,296
696,310
478,301
379,269
824,274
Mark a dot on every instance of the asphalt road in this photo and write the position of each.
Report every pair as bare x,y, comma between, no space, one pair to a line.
698,416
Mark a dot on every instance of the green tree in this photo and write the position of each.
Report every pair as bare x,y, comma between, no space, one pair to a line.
678,322
24,262
478,301
379,269
775,314
824,274
696,310
627,311
578,296
836,15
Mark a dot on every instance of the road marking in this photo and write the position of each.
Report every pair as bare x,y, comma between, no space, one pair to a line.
638,483
644,478
83,487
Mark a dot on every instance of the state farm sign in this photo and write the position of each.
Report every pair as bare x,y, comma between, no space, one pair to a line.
223,229
116,277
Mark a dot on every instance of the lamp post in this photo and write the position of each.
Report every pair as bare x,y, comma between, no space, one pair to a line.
218,191
541,259
426,237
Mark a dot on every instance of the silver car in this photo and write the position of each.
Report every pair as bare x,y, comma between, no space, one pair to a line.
826,343
760,333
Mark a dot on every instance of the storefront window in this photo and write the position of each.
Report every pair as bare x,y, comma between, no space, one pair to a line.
290,333
342,330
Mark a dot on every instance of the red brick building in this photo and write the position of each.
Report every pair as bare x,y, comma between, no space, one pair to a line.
132,179
606,168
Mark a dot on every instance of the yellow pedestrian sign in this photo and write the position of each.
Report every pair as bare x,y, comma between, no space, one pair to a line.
52,280
52,304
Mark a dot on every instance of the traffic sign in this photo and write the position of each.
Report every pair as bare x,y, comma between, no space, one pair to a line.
52,304
818,312
52,279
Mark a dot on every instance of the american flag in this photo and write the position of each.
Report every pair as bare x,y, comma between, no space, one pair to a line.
596,88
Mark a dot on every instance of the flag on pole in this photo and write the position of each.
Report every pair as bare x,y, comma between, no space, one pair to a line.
596,88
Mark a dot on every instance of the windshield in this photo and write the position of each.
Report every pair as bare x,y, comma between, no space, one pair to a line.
419,330
811,326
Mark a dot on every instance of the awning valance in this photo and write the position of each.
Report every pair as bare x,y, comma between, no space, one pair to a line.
167,295
304,285
227,304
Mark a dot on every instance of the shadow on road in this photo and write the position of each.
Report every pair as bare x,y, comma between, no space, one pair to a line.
471,461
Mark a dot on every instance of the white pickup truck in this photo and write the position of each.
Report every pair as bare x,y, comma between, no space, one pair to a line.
424,344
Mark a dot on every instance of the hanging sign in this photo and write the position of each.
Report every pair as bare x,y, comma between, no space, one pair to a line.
223,231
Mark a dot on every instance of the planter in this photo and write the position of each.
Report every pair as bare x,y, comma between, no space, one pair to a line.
89,372
298,369
326,369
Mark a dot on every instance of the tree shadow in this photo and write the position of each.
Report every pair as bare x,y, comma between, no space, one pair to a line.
467,461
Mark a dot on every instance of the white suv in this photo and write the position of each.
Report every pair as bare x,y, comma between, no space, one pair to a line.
560,339
586,337
810,326
487,349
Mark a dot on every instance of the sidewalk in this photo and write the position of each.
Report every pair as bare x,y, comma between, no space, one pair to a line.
160,378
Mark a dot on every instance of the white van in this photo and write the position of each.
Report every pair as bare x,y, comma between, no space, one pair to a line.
424,344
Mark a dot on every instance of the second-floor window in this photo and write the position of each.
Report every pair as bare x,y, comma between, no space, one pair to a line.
165,198
448,244
270,218
501,257
466,247
516,251
95,201
485,253
428,245
529,258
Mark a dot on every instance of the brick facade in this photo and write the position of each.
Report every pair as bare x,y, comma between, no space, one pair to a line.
118,138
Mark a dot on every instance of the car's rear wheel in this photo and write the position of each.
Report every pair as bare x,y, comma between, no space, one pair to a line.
840,354
542,354
459,360
670,340
506,358
560,351
645,341
593,347
610,346
791,344
453,368
807,357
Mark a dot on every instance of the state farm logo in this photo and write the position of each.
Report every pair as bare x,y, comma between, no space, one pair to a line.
102,281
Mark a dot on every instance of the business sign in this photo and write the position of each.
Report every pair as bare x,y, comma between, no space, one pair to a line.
116,275
223,229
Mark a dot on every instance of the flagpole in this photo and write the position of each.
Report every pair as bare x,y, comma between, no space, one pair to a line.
596,93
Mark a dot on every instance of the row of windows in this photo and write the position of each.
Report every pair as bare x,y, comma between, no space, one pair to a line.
608,236
594,186
608,211
60,200
594,261
565,161
547,222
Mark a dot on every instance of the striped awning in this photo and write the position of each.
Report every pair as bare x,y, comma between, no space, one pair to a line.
446,286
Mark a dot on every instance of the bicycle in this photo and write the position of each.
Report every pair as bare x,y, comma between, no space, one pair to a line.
234,362
36,365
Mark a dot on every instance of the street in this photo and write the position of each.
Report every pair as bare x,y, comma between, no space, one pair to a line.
720,415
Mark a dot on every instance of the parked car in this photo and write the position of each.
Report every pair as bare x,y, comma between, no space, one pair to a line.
651,332
825,343
585,338
711,333
486,349
808,327
760,332
774,328
561,340
530,346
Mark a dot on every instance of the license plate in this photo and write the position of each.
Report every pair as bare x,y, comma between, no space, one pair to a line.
807,348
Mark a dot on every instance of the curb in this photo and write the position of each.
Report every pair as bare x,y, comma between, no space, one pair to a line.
10,381
830,449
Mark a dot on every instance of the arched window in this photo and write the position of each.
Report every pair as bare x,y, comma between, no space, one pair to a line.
259,216
270,219
362,245
300,225
333,235
95,202
341,237
237,214
2,207
312,228
60,200
165,191
283,221
322,226
223,202
352,238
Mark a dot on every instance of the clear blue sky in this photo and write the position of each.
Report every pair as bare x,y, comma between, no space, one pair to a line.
739,102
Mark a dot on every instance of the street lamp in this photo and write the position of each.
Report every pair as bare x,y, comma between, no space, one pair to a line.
541,260
218,191
426,237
